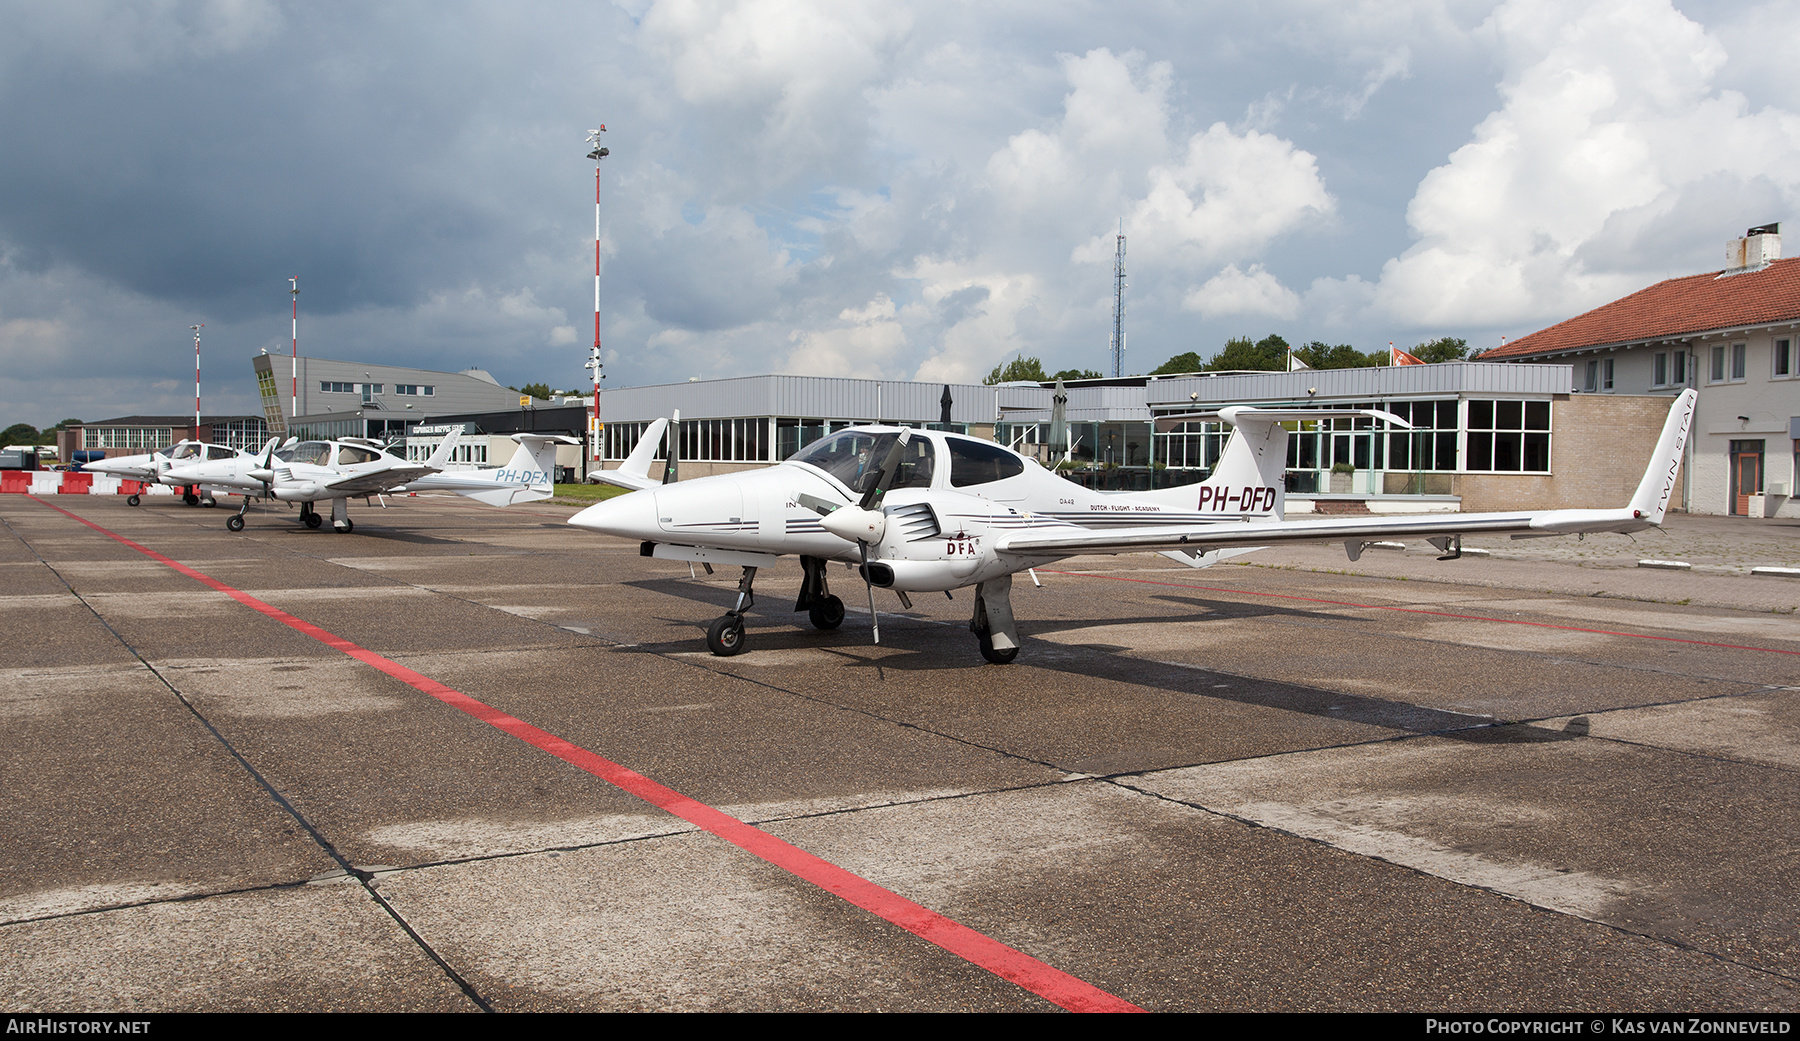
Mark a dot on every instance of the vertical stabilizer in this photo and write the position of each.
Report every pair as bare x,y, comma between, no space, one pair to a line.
1658,485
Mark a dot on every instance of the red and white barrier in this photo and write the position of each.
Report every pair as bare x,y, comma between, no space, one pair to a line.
60,482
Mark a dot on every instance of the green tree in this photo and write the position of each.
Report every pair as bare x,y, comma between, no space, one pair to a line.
19,434
1189,362
1444,348
1020,368
536,390
1076,374
1340,356
1267,354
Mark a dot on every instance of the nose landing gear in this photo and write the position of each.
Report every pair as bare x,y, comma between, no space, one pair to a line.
725,637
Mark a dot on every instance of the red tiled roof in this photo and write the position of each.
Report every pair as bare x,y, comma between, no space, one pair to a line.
1675,308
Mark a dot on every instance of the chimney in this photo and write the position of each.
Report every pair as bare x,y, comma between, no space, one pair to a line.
1755,250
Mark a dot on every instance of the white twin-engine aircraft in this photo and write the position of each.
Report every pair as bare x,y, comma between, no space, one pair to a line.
924,511
309,472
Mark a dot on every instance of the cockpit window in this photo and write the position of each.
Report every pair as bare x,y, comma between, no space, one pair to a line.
852,456
314,452
219,452
979,462
188,451
348,456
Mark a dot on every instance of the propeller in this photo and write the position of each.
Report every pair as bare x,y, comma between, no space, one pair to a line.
672,455
863,523
264,470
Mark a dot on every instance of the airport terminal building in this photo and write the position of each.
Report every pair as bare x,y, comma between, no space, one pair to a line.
320,398
1483,436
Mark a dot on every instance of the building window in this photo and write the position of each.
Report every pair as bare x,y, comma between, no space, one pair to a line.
1671,369
1784,359
1599,375
1737,362
337,388
1592,383
1716,372
411,390
139,439
1509,436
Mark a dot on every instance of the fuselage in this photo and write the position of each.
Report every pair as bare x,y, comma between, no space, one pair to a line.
951,495
154,467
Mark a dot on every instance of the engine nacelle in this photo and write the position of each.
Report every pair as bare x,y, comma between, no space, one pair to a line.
936,541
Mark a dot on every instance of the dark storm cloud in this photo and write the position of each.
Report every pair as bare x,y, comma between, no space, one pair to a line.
872,188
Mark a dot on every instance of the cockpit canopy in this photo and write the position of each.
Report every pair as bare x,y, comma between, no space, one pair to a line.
855,456
852,455
318,453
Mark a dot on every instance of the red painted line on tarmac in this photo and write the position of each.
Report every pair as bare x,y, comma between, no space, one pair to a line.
1415,610
978,949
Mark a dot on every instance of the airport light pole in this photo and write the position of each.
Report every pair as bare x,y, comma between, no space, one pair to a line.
597,153
197,329
294,404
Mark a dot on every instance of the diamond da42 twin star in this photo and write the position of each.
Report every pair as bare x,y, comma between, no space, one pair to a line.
309,472
926,511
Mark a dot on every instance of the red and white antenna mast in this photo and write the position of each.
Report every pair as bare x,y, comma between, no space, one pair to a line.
294,402
596,154
197,329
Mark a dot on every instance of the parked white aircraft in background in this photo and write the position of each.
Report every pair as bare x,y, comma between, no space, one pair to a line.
925,511
308,472
153,467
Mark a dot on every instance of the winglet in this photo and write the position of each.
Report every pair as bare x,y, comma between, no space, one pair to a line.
441,455
634,471
1658,485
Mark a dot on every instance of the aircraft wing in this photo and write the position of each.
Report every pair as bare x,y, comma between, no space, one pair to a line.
373,481
1200,538
1645,510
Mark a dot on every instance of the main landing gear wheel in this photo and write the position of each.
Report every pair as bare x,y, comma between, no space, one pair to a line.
312,520
827,613
189,498
997,657
234,522
208,501
132,500
343,527
726,636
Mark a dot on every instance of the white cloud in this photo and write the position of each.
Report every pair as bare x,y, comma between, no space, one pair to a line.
1231,195
868,337
981,309
1252,292
1610,120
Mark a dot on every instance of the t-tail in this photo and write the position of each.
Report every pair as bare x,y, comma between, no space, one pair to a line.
1250,480
530,475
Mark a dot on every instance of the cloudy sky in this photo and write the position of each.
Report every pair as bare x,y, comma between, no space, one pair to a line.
842,188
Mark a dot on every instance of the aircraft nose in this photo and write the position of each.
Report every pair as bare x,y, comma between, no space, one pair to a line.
631,516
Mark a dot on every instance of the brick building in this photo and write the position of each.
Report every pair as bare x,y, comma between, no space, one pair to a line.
1734,336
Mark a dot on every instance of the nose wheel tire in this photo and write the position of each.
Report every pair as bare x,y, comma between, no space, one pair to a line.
827,613
726,636
234,523
997,657
312,520
132,500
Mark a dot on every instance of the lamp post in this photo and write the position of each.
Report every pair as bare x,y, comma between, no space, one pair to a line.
596,153
294,404
197,329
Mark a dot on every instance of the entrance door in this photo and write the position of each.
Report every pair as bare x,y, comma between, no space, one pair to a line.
1746,475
